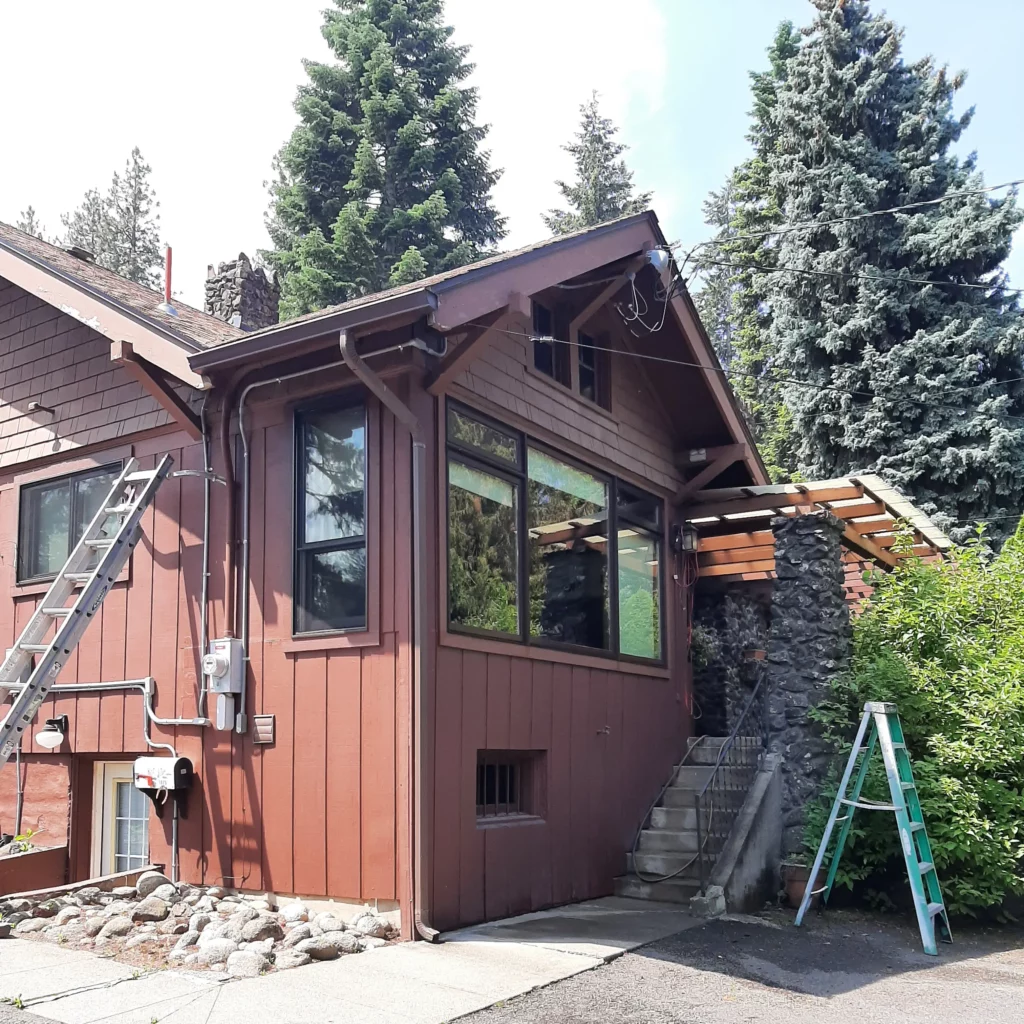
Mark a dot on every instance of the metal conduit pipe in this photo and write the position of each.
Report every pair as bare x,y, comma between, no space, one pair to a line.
204,599
418,720
243,631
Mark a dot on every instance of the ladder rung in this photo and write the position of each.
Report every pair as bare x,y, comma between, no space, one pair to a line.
34,648
142,475
56,612
935,908
78,577
117,510
907,785
99,542
917,826
925,866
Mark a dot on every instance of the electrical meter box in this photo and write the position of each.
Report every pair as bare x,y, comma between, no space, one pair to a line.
224,665
156,773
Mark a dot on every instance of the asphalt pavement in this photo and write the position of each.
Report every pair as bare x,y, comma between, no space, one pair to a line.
845,968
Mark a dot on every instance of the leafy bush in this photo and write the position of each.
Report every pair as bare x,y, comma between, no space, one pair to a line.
945,643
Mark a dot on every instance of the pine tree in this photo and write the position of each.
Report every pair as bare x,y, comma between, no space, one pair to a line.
603,189
121,229
384,180
28,222
858,131
731,302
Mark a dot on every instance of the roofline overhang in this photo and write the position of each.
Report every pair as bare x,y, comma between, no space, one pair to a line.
274,342
155,342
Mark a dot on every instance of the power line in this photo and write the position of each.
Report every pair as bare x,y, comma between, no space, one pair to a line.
687,364
850,275
812,225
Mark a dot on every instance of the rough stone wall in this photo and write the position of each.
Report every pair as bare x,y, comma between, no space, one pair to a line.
730,622
241,294
809,646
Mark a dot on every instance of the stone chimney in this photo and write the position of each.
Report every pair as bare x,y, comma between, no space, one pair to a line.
244,296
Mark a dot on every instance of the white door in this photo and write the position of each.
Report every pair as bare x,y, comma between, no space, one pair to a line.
120,820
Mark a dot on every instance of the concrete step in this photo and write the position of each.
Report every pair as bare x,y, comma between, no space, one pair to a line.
675,819
664,864
676,890
657,840
684,796
696,776
705,749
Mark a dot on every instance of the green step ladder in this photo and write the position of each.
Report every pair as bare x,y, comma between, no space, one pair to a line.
887,733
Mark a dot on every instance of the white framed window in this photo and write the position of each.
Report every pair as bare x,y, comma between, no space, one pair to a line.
120,820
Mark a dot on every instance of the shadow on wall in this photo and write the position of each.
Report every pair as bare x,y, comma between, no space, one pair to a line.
728,621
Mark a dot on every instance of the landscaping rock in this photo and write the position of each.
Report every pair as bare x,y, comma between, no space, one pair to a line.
128,892
115,927
348,942
150,881
89,895
298,934
16,906
287,958
368,942
150,909
217,892
180,909
140,939
118,908
187,939
264,946
182,955
247,963
321,947
204,905
67,914
245,912
31,924
197,922
293,913
216,952
328,923
94,925
5,930
371,924
172,926
47,909
262,928
214,930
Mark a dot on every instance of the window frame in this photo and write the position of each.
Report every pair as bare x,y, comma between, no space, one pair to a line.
300,415
114,467
518,476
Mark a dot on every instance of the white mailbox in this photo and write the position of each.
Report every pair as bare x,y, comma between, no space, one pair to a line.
156,773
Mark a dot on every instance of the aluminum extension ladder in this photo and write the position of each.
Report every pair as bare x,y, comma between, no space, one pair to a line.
887,733
129,497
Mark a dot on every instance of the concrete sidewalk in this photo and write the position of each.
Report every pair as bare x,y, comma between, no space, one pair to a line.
410,983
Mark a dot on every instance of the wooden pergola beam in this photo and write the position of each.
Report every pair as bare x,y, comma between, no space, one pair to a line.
153,381
752,554
735,540
707,504
736,568
867,547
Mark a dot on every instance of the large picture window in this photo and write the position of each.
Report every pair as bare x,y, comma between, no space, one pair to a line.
53,516
330,543
544,550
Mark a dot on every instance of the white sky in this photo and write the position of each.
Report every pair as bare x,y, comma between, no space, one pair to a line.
205,89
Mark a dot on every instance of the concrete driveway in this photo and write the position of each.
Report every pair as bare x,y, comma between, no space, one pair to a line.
846,968
408,983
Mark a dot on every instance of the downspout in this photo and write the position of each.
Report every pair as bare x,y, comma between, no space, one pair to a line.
418,724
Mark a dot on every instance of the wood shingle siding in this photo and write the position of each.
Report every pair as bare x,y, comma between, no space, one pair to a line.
49,357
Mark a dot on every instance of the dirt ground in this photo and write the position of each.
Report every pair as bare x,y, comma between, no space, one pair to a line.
846,967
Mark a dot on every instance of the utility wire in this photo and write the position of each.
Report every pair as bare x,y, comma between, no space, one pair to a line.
812,225
850,275
744,373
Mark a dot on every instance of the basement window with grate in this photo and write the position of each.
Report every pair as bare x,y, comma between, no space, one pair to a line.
508,784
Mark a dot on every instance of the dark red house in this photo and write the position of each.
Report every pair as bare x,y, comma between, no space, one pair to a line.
444,528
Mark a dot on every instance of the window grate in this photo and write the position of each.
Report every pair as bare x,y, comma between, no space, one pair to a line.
501,785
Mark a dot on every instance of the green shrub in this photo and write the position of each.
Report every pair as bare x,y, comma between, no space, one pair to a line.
945,643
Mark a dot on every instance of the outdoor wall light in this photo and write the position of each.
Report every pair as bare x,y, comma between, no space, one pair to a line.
689,538
52,734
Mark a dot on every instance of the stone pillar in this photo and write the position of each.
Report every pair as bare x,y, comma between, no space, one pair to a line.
809,646
241,294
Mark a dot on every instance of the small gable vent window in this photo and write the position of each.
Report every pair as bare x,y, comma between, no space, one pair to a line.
549,357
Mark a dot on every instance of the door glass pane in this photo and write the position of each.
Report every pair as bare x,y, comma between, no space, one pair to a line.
639,594
334,456
483,532
496,443
332,590
567,514
124,799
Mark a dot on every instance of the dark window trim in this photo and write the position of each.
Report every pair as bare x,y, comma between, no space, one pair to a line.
519,477
114,467
300,412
